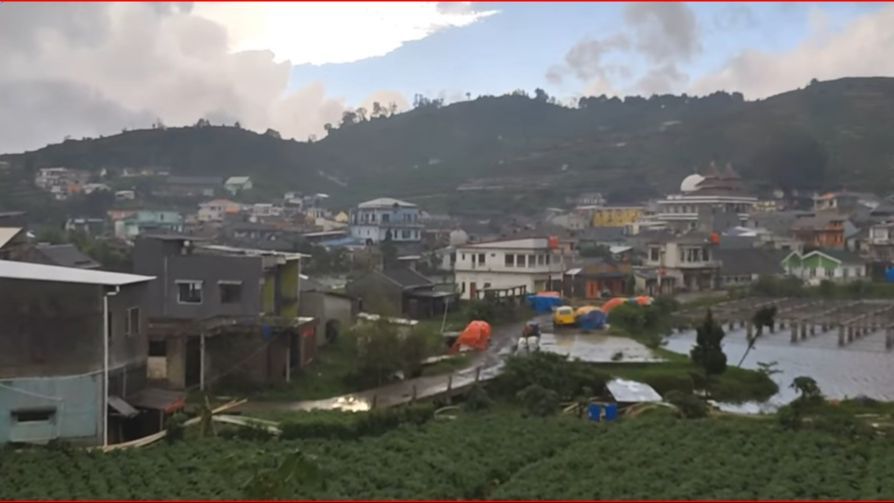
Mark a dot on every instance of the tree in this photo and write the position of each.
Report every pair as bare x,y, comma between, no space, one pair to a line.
237,125
202,123
416,346
348,117
763,317
274,133
378,353
389,252
807,388
540,95
361,114
708,351
378,110
328,127
791,159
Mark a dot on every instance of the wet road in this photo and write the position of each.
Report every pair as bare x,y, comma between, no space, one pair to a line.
490,362
595,347
863,367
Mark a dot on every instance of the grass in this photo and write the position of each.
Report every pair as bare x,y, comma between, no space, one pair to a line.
447,366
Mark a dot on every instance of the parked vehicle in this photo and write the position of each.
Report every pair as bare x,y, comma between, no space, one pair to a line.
563,316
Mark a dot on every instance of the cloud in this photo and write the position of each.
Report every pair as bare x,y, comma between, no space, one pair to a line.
91,69
664,31
863,48
325,32
735,16
663,34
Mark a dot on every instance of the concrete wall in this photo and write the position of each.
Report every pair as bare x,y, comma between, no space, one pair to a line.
484,280
163,260
325,307
75,401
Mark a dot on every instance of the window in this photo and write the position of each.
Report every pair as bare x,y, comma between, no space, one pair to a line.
653,253
132,327
845,271
813,272
386,218
189,292
158,348
547,260
463,256
463,287
230,292
405,234
520,260
541,259
532,261
510,260
33,415
828,273
487,285
480,259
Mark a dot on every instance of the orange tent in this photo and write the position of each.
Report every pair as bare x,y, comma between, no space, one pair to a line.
613,303
644,300
548,294
476,335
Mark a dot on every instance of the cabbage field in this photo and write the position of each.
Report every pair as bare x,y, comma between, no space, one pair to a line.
491,455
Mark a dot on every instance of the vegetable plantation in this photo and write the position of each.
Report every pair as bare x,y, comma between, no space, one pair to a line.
484,455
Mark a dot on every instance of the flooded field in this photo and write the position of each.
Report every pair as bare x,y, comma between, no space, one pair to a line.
863,367
596,348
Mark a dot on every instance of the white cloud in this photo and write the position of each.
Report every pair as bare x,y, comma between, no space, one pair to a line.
863,48
93,69
324,32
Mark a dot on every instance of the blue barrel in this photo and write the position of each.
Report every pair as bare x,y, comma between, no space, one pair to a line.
611,412
594,411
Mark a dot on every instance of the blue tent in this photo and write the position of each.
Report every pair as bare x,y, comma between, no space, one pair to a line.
543,304
889,275
593,320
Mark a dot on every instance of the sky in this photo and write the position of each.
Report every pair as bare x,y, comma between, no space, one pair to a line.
84,70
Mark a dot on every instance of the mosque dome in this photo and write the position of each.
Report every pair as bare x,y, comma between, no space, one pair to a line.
690,183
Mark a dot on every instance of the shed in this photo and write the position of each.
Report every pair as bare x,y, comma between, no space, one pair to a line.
625,391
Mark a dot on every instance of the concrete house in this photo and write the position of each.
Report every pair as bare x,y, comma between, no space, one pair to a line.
881,242
73,355
742,266
237,184
148,221
813,267
596,279
685,263
532,264
386,218
403,289
65,255
334,312
217,209
191,186
219,312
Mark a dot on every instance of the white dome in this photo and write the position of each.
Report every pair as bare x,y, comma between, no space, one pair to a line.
458,237
690,183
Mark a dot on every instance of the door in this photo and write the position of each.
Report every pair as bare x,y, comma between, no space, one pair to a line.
592,290
473,290
193,361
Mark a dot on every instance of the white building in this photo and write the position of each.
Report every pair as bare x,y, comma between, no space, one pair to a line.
534,263
715,191
264,210
376,220
237,184
216,209
683,263
125,195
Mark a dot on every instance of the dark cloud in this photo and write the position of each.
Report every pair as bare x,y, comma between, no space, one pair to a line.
663,31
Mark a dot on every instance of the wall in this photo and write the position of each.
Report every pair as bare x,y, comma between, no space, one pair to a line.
75,399
324,307
162,259
495,260
533,281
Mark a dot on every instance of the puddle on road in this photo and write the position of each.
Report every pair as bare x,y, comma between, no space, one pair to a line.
597,348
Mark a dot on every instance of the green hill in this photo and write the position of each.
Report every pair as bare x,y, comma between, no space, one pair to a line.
827,135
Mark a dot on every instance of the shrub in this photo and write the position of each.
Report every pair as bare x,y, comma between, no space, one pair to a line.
175,427
351,425
550,370
477,399
690,406
539,401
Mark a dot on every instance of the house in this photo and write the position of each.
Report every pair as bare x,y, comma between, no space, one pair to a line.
151,221
715,191
237,184
13,242
334,312
65,255
828,229
342,217
67,332
743,266
601,236
61,182
217,209
402,289
259,211
386,218
813,267
844,201
616,216
89,188
596,279
880,243
86,225
190,186
587,199
571,221
12,219
533,264
219,313
684,262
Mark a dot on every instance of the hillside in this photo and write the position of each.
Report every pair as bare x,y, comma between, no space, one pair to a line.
826,135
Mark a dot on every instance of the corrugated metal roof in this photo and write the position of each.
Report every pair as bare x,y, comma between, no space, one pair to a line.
7,233
39,272
632,391
122,407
